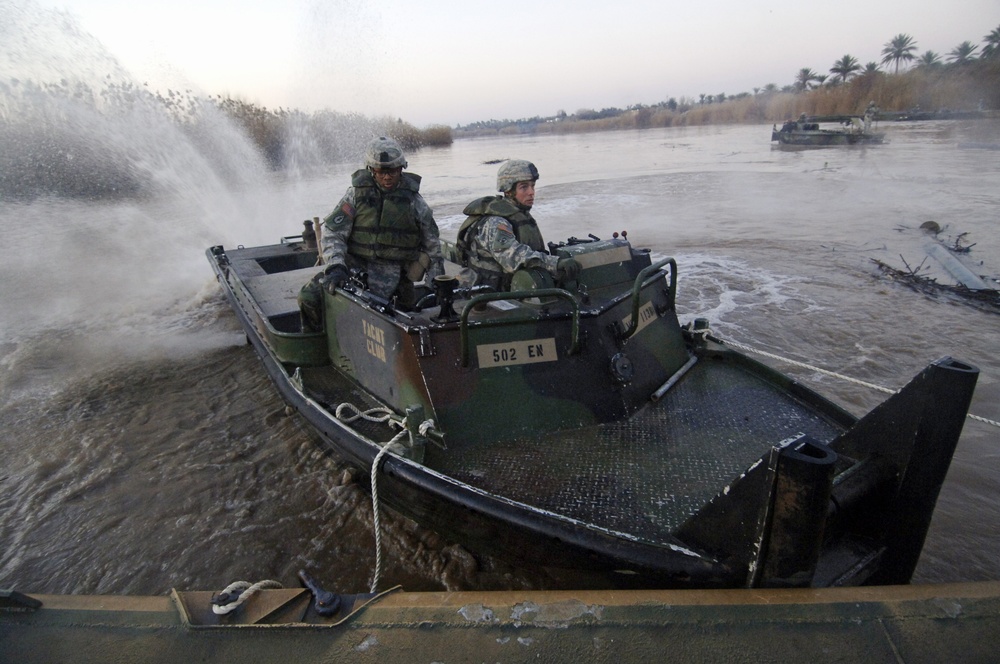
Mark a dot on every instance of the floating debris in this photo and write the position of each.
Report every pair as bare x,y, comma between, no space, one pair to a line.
987,299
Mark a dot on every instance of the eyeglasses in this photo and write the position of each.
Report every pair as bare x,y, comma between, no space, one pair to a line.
387,171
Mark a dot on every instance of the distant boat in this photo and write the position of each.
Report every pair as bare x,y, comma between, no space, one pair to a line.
838,130
917,115
978,145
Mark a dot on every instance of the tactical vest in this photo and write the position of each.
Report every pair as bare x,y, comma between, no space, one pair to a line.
385,226
525,230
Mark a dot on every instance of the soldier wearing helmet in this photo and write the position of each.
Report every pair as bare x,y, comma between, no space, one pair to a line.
382,226
500,236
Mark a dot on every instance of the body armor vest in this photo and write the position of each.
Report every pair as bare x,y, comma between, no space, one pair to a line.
385,226
478,258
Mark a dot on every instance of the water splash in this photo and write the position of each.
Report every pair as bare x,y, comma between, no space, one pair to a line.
74,123
109,195
111,192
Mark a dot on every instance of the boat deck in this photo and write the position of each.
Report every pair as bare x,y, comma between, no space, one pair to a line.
644,476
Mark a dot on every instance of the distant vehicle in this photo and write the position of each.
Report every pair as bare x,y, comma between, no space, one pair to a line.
838,130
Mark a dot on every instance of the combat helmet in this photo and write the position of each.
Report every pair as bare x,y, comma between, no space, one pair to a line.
513,171
384,153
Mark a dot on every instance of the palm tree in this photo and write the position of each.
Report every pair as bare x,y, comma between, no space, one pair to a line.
870,68
992,48
963,53
900,48
929,60
844,68
804,79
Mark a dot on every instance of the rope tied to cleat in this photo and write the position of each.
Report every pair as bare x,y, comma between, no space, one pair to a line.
237,593
347,413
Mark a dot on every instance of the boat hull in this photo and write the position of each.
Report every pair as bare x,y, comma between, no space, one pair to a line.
825,138
826,131
679,478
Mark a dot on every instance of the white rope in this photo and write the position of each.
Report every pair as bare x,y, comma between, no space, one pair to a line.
372,415
810,367
983,419
873,386
424,427
376,520
248,590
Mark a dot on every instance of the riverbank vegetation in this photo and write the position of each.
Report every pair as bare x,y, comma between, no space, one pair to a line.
114,140
968,78
333,136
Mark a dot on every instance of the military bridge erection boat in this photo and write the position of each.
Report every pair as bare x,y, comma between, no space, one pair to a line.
581,426
825,131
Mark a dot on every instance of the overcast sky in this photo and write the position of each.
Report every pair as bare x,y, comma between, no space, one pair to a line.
436,62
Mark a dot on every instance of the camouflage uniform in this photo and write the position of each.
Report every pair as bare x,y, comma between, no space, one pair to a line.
500,237
399,226
870,114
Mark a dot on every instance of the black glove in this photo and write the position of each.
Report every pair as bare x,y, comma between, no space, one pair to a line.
334,275
568,269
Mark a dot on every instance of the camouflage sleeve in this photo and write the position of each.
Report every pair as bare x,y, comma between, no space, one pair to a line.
429,234
496,235
336,229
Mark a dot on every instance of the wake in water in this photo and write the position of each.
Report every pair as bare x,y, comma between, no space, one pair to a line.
717,286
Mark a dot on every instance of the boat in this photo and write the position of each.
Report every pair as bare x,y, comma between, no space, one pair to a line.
826,130
978,145
918,115
581,427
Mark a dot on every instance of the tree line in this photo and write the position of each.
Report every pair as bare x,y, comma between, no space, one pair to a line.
968,76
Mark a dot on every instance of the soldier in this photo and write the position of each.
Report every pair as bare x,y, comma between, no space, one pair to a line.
382,226
871,113
500,236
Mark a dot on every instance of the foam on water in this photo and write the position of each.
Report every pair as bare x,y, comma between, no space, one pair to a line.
716,287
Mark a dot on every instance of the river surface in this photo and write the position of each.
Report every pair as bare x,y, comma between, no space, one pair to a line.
144,448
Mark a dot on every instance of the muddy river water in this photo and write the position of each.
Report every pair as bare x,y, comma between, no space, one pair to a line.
144,448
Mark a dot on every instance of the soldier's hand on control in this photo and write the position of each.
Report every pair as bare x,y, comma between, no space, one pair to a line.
334,275
568,269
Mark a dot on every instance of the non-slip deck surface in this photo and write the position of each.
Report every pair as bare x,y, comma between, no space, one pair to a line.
277,294
645,476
